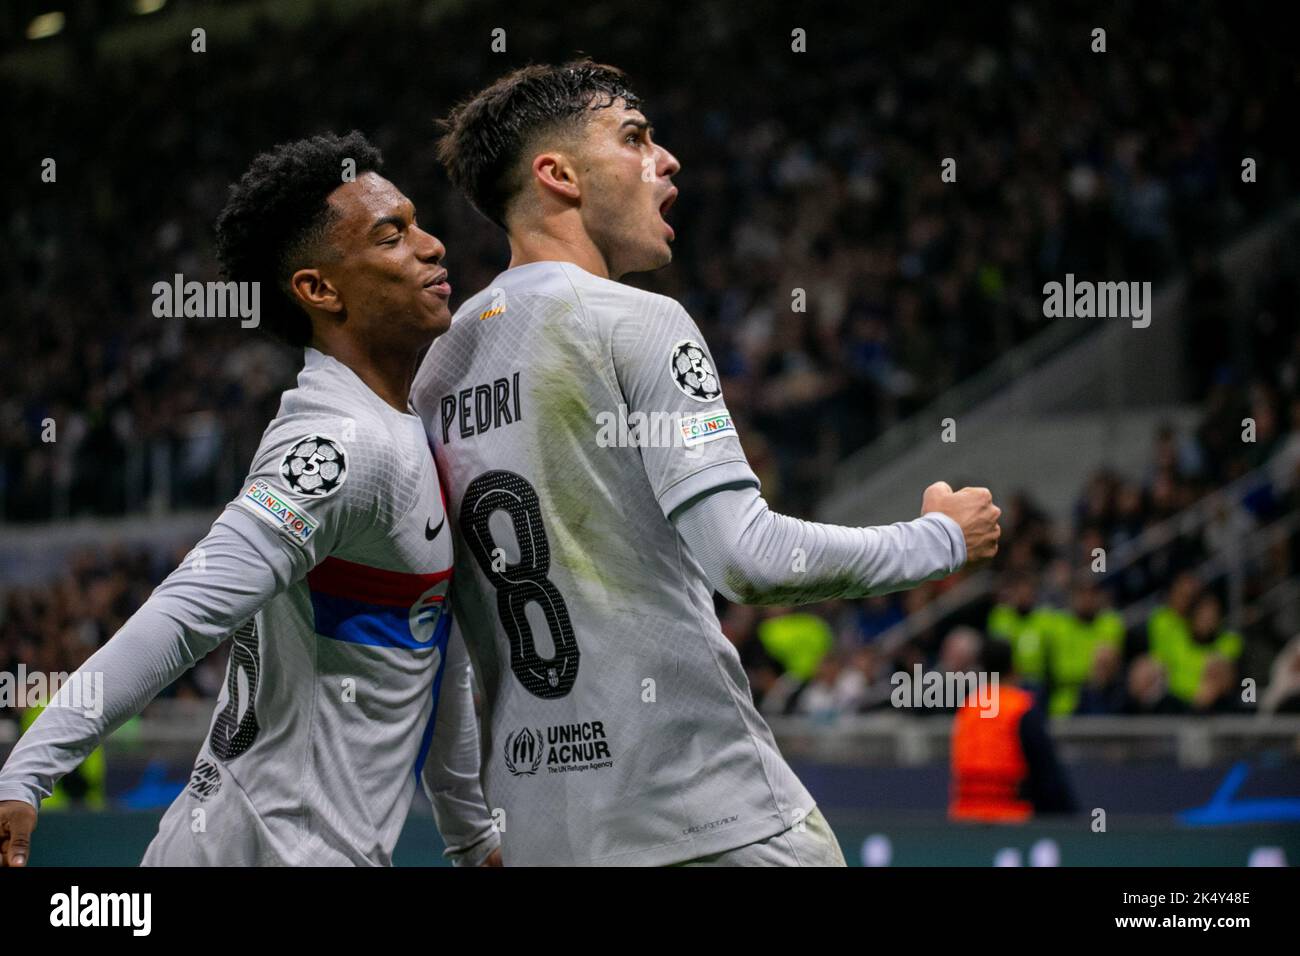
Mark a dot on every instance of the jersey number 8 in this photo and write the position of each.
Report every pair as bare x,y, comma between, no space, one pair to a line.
517,585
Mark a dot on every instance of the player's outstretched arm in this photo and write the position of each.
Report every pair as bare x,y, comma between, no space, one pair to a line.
451,771
232,572
704,484
753,556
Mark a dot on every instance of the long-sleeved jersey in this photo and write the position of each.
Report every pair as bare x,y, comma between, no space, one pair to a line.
329,573
574,419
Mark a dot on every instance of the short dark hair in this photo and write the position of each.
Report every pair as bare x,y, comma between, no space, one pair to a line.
276,217
486,135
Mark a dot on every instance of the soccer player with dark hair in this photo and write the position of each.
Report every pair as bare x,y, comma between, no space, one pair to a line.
346,687
621,728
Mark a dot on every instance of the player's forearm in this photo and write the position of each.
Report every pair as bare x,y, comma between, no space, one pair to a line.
188,615
113,685
754,556
459,808
451,771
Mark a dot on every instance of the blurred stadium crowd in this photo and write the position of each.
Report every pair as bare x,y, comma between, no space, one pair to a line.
1069,642
796,175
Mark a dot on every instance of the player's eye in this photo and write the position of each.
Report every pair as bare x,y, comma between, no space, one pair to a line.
392,240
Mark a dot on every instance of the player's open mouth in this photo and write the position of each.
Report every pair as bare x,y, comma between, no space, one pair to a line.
439,285
663,211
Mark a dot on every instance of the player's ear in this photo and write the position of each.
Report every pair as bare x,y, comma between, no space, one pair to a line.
312,289
557,174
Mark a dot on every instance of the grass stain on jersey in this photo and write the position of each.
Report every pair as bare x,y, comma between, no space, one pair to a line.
813,589
590,530
561,404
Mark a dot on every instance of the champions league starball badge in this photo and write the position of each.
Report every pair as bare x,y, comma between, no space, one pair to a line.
692,372
315,467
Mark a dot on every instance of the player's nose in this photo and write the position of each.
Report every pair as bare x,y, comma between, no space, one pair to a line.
428,246
668,164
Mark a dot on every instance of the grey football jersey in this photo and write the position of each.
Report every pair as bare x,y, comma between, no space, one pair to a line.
570,415
331,571
315,749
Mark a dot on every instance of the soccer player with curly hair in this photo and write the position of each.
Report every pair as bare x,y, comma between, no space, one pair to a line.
346,687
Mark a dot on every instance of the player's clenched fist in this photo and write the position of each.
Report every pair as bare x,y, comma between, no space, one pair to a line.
17,821
973,509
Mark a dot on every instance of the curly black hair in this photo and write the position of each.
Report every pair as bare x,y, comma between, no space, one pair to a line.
276,218
485,136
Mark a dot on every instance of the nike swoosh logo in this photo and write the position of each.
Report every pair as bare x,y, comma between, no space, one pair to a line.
431,533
